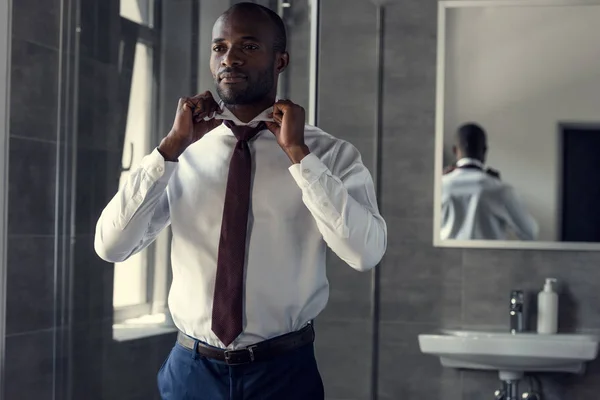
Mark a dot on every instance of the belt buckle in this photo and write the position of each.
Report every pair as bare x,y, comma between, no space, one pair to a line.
230,355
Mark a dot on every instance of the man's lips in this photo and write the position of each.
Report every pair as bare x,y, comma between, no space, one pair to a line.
232,78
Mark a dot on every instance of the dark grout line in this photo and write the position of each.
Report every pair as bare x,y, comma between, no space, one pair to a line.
34,42
33,332
32,139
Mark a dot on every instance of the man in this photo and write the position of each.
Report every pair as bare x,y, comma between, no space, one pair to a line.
252,208
476,204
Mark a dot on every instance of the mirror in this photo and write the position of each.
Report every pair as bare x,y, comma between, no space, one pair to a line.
518,125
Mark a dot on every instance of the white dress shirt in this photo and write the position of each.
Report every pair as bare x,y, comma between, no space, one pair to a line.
477,206
296,211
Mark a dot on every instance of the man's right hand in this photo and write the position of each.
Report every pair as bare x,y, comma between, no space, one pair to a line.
189,125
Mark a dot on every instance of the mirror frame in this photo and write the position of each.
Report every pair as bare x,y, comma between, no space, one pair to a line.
443,6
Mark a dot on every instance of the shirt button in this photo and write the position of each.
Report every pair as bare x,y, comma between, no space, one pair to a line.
159,169
306,170
325,204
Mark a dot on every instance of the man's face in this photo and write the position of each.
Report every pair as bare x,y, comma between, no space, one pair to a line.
243,62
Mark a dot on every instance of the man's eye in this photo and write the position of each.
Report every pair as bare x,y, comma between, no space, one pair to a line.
250,47
218,48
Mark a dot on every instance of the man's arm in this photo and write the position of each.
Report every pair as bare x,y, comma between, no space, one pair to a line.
140,210
520,220
344,206
137,213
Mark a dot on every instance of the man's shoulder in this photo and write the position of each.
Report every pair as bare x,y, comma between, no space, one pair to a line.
311,131
319,138
472,178
332,150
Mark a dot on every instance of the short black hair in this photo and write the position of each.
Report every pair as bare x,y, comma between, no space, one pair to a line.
280,35
471,139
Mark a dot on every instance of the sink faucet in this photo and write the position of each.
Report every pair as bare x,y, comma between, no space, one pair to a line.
517,300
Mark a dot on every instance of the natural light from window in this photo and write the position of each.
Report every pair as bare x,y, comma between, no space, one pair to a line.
139,11
130,284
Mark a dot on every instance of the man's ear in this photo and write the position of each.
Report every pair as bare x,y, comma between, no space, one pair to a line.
283,60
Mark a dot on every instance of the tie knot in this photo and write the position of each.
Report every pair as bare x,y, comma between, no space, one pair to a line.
244,132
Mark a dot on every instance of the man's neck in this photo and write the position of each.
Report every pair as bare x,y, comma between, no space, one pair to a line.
247,112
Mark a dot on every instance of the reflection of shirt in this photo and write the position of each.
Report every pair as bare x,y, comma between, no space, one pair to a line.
477,206
327,199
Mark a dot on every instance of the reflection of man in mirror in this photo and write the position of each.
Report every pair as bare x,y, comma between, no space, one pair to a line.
476,204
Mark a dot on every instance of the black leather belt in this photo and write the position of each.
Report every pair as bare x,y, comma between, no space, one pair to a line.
258,352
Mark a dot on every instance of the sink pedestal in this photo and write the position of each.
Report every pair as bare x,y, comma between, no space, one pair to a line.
510,385
509,391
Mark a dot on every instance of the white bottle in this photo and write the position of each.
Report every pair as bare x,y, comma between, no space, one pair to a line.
547,318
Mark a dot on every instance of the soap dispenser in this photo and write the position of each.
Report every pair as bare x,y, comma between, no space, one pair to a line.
547,318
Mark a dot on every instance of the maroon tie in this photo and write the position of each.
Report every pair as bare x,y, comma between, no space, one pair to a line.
227,313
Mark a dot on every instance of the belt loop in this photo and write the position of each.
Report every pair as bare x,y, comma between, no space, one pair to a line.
195,354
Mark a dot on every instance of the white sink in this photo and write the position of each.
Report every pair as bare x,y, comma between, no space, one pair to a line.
511,355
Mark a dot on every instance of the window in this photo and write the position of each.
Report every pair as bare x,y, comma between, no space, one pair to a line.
138,11
130,286
140,283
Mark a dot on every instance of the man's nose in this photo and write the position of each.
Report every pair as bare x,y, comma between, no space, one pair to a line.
232,58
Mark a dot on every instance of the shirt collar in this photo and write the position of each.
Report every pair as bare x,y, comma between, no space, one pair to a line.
469,161
227,114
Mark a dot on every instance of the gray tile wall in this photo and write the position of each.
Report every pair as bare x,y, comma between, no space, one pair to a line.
346,109
32,168
422,287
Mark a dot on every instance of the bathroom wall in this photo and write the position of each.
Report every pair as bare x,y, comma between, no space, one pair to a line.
346,108
521,72
30,325
422,287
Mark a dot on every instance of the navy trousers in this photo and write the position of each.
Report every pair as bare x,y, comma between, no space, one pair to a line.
186,375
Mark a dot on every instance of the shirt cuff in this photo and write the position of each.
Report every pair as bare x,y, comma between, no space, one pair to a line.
156,167
308,171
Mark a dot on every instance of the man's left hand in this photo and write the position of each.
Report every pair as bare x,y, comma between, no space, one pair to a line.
288,128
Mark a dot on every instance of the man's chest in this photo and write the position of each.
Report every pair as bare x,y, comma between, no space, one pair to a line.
197,189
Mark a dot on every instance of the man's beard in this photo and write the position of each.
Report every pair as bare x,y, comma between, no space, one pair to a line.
255,90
